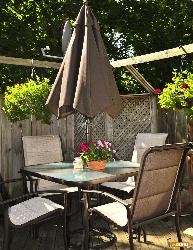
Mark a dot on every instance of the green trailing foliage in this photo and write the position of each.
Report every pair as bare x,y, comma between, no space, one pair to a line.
178,95
27,99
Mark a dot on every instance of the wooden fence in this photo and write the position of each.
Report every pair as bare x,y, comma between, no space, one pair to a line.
140,114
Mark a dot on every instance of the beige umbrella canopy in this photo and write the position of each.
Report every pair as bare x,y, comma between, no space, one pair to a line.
85,81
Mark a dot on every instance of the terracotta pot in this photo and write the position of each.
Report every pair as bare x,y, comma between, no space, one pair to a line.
97,165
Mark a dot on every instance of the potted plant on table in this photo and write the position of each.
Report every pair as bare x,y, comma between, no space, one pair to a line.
96,154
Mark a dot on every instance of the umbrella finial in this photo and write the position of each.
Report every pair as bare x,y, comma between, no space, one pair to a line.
85,2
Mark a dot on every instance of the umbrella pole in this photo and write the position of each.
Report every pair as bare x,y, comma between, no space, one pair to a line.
88,130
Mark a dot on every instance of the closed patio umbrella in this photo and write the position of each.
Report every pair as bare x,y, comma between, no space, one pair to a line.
85,81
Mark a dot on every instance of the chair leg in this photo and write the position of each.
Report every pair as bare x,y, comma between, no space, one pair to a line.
130,232
65,233
35,231
139,234
7,235
144,234
177,224
66,226
85,245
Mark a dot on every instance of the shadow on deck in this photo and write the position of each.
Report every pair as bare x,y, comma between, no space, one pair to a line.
50,236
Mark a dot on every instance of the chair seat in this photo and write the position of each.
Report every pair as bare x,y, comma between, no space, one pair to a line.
44,185
31,209
114,211
126,186
123,186
49,185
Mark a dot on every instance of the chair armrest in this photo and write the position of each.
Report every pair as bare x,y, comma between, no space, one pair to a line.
10,180
52,191
113,197
33,182
7,202
16,180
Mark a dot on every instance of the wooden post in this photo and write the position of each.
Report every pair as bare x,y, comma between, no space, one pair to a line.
181,127
1,121
171,116
154,114
108,128
70,134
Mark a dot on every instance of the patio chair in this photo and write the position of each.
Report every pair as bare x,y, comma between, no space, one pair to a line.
28,210
39,150
155,195
142,143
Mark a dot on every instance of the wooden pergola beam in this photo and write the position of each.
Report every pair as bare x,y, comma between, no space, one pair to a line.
28,62
178,51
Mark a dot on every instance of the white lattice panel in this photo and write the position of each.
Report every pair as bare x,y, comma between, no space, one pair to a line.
134,118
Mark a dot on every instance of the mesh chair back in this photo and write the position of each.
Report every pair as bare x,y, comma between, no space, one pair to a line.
42,149
144,141
158,179
39,150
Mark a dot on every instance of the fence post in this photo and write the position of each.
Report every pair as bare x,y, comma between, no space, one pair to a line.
154,114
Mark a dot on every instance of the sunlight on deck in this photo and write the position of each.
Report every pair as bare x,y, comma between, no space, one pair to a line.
188,231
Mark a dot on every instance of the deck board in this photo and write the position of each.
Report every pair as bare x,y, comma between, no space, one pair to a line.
51,238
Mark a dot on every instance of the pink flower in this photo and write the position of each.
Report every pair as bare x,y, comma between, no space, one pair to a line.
77,153
107,144
83,147
91,142
157,91
185,86
100,144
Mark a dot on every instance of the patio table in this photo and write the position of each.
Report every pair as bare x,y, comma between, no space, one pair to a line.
65,173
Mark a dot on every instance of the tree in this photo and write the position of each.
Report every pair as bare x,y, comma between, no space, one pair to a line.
129,27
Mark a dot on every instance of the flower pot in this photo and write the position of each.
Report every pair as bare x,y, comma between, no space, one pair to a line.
97,165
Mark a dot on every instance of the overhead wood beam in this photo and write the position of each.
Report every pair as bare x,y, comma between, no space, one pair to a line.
28,62
140,79
178,51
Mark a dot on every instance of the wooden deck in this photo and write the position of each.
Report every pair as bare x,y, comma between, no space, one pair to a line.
50,236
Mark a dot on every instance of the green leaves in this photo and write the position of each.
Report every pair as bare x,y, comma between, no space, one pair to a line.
179,93
27,99
129,28
96,151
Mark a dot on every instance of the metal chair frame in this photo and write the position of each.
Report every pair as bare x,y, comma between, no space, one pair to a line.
9,226
173,206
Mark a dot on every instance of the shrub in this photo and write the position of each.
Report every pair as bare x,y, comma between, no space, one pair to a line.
27,99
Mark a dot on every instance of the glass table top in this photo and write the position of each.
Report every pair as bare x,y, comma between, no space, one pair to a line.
66,172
